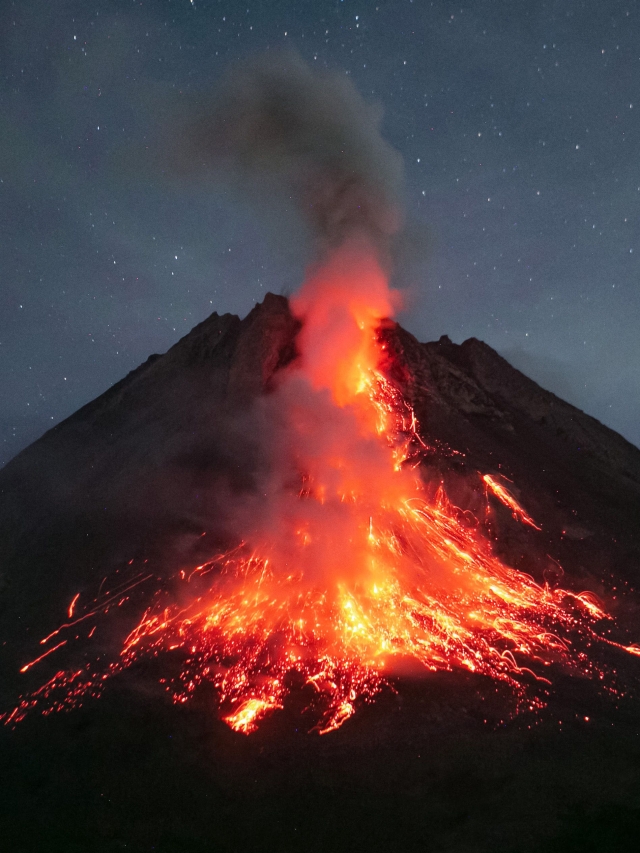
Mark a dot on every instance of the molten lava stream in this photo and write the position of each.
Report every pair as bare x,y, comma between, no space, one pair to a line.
346,565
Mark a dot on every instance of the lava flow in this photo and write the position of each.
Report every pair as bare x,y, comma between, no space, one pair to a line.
346,565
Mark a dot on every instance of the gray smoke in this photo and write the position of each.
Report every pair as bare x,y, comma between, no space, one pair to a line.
277,122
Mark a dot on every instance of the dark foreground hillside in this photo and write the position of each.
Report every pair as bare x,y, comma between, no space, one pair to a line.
437,765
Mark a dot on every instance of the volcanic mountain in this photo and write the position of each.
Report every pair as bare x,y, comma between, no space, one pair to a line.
137,469
142,476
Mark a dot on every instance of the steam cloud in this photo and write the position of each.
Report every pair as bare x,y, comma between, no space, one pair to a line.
313,133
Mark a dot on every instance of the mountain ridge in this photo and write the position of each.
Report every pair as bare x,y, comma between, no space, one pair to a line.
473,358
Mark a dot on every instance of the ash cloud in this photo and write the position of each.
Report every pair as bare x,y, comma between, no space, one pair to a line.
275,122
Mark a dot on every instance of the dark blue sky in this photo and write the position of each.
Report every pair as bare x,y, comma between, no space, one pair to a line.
518,123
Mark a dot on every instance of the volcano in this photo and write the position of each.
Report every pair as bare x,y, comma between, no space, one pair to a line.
118,519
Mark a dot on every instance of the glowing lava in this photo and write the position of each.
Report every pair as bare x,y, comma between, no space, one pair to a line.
346,566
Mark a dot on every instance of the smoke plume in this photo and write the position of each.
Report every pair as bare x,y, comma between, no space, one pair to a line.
312,133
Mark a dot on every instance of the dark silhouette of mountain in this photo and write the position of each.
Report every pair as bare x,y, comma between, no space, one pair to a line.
138,473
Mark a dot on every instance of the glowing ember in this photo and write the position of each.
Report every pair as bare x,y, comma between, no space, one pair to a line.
346,567
72,606
509,501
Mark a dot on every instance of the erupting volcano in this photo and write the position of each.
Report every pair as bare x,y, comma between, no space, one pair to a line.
347,563
351,560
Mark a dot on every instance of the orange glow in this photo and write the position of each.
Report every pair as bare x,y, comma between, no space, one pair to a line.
28,666
346,567
509,501
341,304
72,605
245,718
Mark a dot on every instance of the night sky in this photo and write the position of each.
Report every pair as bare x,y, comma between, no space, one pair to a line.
519,127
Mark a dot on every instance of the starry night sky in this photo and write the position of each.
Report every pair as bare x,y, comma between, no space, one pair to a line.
518,123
